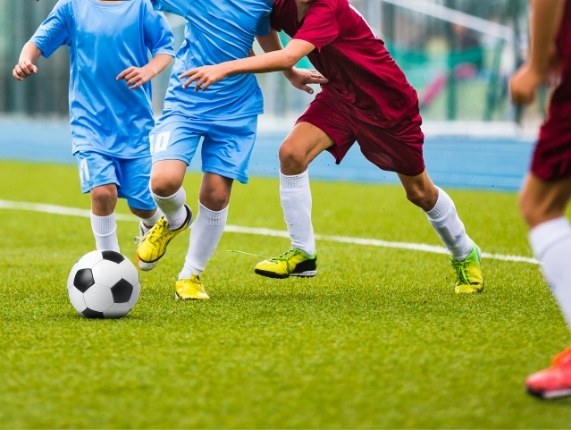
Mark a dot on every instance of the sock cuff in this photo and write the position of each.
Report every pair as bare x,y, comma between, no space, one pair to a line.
443,206
149,222
294,182
105,225
544,235
179,196
105,220
211,217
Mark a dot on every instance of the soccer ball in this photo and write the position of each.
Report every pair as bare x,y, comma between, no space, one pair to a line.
103,284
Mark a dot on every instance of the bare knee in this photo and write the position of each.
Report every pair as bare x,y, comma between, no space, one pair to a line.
420,190
215,201
163,187
167,177
292,158
103,199
215,191
424,198
540,202
532,213
164,184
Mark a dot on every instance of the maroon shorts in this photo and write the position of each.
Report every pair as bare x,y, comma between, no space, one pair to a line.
552,154
396,147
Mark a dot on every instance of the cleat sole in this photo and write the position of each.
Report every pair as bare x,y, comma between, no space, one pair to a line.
270,274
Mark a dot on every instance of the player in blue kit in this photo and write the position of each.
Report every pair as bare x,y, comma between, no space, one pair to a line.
109,99
225,118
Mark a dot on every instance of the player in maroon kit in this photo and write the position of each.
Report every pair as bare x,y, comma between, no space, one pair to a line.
547,189
367,99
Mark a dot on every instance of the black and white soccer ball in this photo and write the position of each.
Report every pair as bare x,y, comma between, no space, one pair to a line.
103,284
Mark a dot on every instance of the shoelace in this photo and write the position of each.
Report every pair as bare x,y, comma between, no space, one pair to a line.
238,251
460,267
285,256
154,234
192,282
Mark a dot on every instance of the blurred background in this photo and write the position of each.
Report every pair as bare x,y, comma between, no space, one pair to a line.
458,54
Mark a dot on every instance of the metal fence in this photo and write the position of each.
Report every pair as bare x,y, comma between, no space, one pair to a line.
457,54
45,94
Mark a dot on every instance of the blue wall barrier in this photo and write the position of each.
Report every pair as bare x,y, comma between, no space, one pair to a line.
453,161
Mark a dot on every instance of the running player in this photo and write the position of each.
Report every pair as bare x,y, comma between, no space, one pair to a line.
109,99
367,99
225,118
546,191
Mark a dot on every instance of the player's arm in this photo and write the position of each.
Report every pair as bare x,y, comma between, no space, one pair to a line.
545,21
27,62
299,78
282,59
270,42
137,76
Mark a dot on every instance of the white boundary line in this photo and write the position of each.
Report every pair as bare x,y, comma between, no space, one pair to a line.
62,210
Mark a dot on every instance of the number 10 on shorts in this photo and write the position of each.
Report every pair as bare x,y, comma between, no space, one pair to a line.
159,142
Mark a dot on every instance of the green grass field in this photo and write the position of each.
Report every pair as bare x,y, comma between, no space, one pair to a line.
377,340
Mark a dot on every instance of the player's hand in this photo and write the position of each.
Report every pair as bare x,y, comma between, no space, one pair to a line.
204,76
524,84
136,76
24,69
301,78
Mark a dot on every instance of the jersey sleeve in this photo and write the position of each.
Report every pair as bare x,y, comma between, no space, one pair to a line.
54,31
178,7
319,26
263,26
159,37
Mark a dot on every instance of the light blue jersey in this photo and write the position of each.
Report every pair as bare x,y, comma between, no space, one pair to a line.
104,39
217,31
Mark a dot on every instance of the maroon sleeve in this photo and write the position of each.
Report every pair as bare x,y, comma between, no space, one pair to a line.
279,14
319,26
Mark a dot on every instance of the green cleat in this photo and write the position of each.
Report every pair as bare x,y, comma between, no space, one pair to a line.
468,273
294,262
154,244
190,289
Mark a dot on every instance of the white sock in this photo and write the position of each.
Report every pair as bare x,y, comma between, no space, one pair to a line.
449,227
295,195
172,208
551,245
105,231
147,223
205,235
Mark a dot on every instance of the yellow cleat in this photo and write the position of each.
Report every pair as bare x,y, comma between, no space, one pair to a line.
190,289
153,245
294,262
468,273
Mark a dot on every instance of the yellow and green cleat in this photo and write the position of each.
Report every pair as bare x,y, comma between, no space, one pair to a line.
294,262
468,273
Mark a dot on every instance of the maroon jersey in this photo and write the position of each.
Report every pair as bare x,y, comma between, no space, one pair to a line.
359,69
552,155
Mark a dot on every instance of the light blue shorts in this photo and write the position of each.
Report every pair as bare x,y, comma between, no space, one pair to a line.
226,144
130,176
